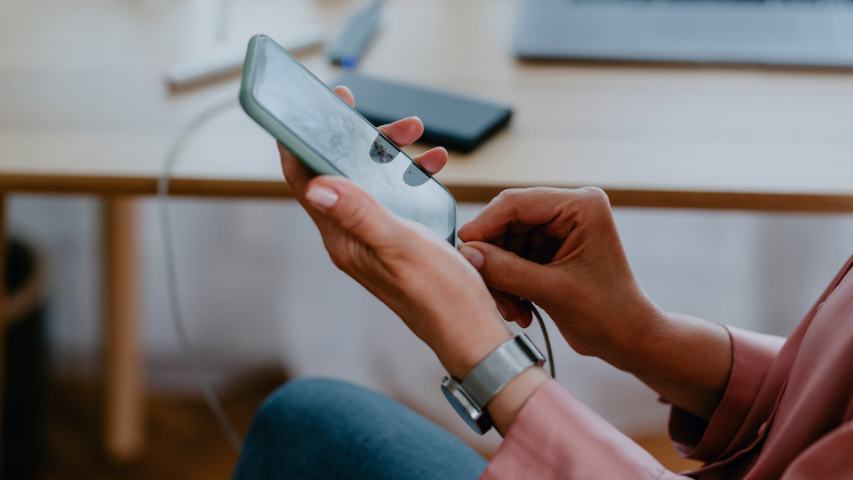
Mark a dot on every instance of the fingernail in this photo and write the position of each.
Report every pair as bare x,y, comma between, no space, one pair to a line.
474,256
322,197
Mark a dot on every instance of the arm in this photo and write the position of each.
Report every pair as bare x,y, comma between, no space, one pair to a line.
445,302
556,436
685,360
673,361
439,296
560,249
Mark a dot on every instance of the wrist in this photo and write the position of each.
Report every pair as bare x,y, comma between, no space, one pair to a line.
504,407
657,350
465,350
632,347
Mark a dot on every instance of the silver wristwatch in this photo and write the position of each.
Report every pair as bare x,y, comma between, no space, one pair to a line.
470,396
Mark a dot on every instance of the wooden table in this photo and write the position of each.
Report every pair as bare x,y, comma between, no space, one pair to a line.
83,110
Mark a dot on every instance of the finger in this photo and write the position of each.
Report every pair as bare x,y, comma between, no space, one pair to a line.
516,244
541,247
346,95
507,272
353,210
433,160
512,308
520,229
405,131
296,174
531,206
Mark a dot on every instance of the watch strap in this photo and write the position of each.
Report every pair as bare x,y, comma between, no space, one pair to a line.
500,366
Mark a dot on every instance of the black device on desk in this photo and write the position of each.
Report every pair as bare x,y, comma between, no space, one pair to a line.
451,120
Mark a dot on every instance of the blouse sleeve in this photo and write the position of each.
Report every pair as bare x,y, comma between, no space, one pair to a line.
557,436
706,440
822,459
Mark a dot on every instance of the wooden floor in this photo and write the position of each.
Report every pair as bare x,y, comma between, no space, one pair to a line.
183,440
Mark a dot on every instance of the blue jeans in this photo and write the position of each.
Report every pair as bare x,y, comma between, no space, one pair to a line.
328,429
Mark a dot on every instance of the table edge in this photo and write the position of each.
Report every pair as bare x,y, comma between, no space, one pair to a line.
260,189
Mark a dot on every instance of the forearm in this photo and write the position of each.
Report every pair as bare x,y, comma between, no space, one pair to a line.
481,339
556,436
508,402
685,360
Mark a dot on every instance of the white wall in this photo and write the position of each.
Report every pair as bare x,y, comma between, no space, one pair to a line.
258,287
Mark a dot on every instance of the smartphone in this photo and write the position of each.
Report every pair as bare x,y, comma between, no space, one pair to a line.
331,138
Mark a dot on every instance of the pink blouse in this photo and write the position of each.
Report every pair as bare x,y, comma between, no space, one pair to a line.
787,412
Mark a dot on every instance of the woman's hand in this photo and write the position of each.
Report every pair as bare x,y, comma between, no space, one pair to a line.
439,296
560,249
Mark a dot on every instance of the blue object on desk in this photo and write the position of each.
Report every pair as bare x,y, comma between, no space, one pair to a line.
356,36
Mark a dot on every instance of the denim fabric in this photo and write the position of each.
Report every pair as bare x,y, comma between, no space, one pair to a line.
328,429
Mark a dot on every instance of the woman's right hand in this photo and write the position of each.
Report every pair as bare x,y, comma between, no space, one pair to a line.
559,248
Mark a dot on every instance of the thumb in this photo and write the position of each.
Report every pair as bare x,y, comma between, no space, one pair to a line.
352,209
507,272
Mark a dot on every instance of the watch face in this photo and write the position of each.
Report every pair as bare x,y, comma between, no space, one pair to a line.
475,417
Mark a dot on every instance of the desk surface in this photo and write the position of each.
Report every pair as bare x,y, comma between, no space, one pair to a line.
84,108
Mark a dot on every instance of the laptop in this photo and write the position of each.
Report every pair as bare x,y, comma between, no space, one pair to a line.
807,33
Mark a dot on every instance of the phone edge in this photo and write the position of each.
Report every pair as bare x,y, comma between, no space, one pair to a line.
300,148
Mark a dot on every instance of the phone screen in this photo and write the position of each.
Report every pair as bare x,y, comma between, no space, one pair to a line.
348,142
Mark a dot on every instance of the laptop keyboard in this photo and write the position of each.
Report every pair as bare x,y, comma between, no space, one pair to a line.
750,2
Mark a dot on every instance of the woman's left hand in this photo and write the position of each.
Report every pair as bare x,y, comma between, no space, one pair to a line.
433,289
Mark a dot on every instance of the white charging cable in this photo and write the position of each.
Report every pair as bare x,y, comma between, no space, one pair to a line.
223,14
178,141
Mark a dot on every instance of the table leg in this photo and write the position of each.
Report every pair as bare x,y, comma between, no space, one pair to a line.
123,394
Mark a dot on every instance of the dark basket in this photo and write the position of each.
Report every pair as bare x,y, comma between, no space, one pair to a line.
24,363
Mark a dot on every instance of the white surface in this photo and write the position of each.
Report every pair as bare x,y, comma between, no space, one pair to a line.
197,70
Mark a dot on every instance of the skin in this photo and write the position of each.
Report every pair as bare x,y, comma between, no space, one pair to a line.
558,248
445,302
